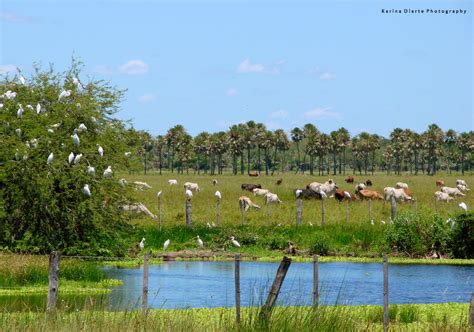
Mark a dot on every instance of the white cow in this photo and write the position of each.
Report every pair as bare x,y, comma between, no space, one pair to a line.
141,185
192,186
359,187
398,193
401,185
247,203
137,208
441,196
452,191
172,182
329,187
461,182
260,192
271,198
462,188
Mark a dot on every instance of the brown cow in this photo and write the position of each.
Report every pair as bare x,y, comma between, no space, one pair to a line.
349,179
439,183
408,191
368,183
250,186
341,195
254,173
279,181
369,194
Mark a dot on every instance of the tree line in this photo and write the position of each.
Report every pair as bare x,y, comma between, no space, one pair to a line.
251,147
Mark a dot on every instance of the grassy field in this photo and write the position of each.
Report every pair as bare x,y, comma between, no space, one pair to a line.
435,317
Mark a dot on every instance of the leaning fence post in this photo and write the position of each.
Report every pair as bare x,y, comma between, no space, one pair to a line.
322,211
242,210
53,280
385,293
237,288
275,289
315,280
347,211
189,212
145,283
393,209
471,310
299,210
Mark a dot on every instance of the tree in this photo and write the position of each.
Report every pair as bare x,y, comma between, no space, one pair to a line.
297,136
433,138
465,144
44,202
236,146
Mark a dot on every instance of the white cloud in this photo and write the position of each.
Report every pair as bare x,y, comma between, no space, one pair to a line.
5,69
232,92
14,18
279,114
147,98
247,67
133,67
327,76
321,113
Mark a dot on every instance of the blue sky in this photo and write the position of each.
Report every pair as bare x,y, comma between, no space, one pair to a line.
210,64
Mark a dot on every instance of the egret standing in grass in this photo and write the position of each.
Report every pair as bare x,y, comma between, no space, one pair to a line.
463,206
234,242
50,158
200,243
189,209
86,190
141,245
108,172
166,244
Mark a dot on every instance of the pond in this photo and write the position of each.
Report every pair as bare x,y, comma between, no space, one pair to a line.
211,284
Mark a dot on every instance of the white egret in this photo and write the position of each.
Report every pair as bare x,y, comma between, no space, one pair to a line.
22,79
90,170
123,183
55,126
463,206
50,130
199,241
38,108
50,158
18,132
166,244
29,107
70,159
34,142
1,105
323,194
20,111
75,81
298,192
141,245
75,138
189,194
64,94
382,221
127,154
86,190
100,150
77,159
17,155
82,127
158,194
218,195
347,194
10,94
234,242
108,172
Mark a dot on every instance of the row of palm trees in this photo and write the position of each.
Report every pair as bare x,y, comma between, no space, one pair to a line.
250,146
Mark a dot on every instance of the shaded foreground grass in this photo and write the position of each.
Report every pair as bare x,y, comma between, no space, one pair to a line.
413,317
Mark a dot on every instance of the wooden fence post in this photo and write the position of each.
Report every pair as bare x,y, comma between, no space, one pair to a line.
414,206
315,280
436,205
393,210
189,212
275,289
268,214
347,211
53,285
159,212
145,283
218,211
242,211
370,210
299,211
471,310
385,294
322,211
237,288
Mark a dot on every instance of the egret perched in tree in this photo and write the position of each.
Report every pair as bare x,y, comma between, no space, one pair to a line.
22,79
10,95
199,241
29,107
127,154
298,192
100,150
108,172
20,111
158,194
166,244
18,132
70,158
141,245
50,158
123,183
86,190
218,195
38,108
34,142
77,159
82,127
75,138
75,81
64,94
55,126
50,130
463,206
90,170
189,194
234,242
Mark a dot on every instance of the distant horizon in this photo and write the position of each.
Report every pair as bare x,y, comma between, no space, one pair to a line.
208,65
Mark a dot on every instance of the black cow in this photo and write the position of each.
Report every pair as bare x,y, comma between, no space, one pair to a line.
250,186
308,194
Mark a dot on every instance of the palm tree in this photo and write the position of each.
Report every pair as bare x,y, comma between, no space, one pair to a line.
465,144
450,140
173,136
236,146
200,149
433,142
297,136
396,140
334,148
344,141
310,132
250,130
160,143
282,144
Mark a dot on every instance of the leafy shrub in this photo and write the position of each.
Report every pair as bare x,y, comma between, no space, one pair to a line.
408,314
405,235
462,237
320,245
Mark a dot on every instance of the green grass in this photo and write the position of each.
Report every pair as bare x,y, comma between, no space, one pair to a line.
433,317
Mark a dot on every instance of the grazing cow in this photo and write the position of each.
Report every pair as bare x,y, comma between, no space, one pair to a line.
369,194
441,196
260,192
452,191
408,191
254,173
141,185
307,194
461,182
329,187
399,194
401,185
341,195
250,186
359,187
439,183
214,182
462,188
349,179
172,182
271,198
191,186
247,203
368,183
279,181
137,208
